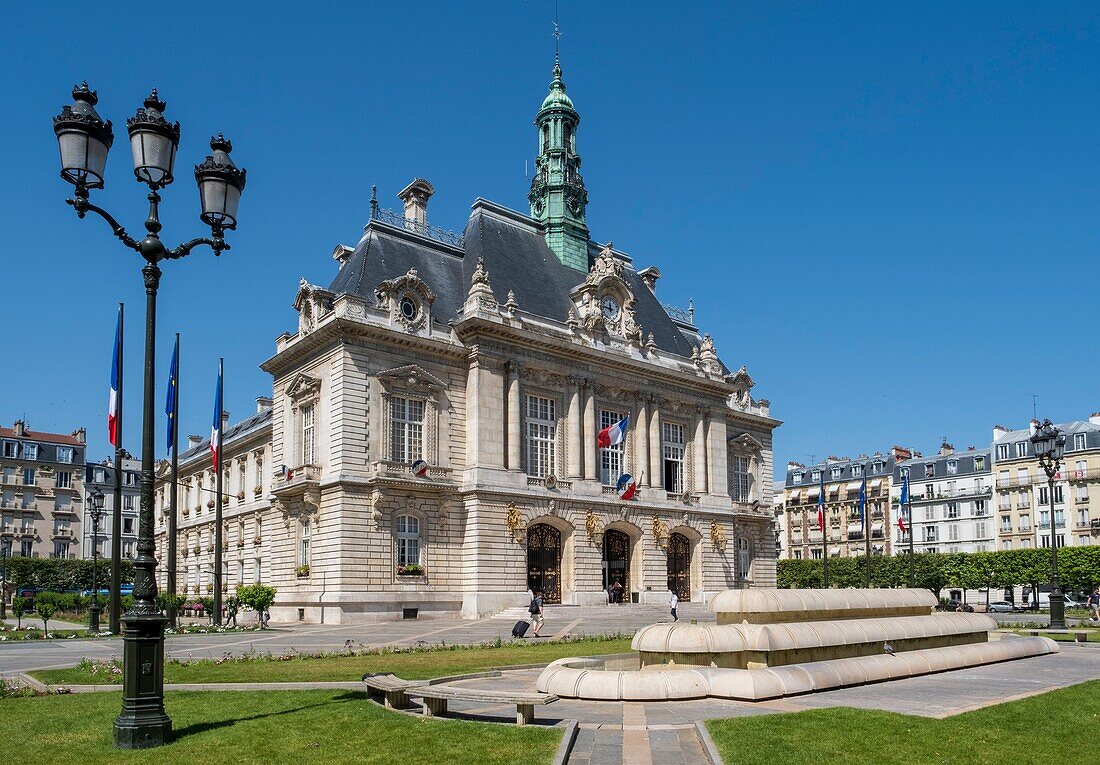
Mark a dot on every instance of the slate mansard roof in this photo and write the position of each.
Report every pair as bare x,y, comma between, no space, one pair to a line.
964,461
517,258
847,473
242,428
1091,431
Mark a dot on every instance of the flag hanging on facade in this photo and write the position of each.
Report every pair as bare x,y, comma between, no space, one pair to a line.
420,468
170,401
613,435
626,486
114,402
216,426
903,503
821,502
863,504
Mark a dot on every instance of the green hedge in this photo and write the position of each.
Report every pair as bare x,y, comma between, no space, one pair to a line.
1078,567
62,573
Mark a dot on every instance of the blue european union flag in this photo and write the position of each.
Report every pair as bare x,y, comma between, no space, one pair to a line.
863,504
170,403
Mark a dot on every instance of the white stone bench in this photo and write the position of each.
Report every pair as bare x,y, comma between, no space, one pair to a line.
436,698
391,689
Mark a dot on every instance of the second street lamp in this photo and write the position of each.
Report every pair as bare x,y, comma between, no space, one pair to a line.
95,500
84,139
1049,444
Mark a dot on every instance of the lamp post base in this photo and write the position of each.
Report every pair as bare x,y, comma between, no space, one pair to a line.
93,617
1057,611
142,723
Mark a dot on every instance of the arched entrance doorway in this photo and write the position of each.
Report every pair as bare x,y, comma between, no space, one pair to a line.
616,562
679,566
544,561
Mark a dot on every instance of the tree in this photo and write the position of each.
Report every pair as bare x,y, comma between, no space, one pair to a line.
46,608
259,597
19,610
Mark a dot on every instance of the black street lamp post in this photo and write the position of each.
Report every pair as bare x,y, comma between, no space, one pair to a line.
5,553
1049,444
84,139
96,501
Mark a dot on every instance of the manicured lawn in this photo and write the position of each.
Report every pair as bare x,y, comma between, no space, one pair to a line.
301,727
1006,733
1094,635
411,665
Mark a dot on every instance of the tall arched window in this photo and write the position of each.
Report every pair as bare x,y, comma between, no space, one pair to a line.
744,558
408,540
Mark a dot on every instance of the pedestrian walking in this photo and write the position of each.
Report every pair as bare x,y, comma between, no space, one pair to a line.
536,611
1094,605
673,602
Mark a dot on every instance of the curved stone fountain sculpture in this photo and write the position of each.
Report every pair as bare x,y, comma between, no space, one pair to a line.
771,643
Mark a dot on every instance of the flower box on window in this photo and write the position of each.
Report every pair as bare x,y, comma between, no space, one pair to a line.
302,571
412,569
240,496
257,541
210,503
258,490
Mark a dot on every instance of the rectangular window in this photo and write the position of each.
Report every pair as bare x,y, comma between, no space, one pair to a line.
129,502
408,540
905,472
1008,544
541,436
130,479
1058,499
1006,523
1021,448
931,534
611,457
815,476
1025,544
796,477
952,467
877,467
835,472
406,429
64,479
256,570
979,463
1002,452
929,470
953,532
308,451
11,449
1078,441
127,525
30,451
28,476
1025,522
303,546
673,443
25,548
65,454
979,507
742,484
952,510
857,470
61,549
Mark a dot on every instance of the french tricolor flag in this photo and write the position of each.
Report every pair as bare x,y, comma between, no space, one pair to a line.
216,426
613,435
113,403
626,486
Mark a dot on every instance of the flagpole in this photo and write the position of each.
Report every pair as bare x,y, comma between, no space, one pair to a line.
218,505
912,561
115,597
866,533
824,536
174,499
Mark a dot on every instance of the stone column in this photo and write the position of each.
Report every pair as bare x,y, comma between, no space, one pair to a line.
641,441
514,428
591,429
573,429
699,447
655,450
719,456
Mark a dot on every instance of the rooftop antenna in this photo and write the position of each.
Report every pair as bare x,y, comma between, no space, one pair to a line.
1034,406
557,31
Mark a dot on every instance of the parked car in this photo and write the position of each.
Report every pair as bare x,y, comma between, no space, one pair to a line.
955,605
1001,607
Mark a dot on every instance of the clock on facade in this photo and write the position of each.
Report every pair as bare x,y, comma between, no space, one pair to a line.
609,307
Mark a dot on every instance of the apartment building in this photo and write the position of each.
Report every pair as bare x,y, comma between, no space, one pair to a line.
951,497
1023,494
41,490
101,476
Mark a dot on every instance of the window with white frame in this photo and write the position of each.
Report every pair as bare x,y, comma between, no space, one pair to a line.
308,434
256,570
303,543
259,472
406,429
929,470
25,548
952,467
1078,441
796,477
672,442
242,475
877,466
1021,448
408,540
1008,544
611,457
1006,523
953,532
835,472
1002,451
1025,522
65,454
30,451
11,449
979,463
744,558
742,479
541,435
815,476
28,476
64,479
857,470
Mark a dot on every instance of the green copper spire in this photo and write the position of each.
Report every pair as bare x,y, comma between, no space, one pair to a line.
557,196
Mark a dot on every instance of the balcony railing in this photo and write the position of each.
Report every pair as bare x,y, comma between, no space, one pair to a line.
397,219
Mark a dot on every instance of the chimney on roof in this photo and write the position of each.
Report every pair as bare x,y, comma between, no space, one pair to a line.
20,428
1094,418
971,448
901,453
998,431
415,196
1033,426
81,435
193,441
794,465
946,448
341,253
649,277
263,403
225,421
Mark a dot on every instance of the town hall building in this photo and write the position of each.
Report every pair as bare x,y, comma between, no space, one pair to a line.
432,447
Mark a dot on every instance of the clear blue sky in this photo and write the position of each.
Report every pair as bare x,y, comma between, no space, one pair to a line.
866,201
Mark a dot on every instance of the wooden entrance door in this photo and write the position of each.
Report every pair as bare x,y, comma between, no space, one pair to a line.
544,562
679,566
616,556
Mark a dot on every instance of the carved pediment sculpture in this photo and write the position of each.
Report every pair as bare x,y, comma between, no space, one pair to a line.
742,383
311,302
604,302
408,301
303,387
410,377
